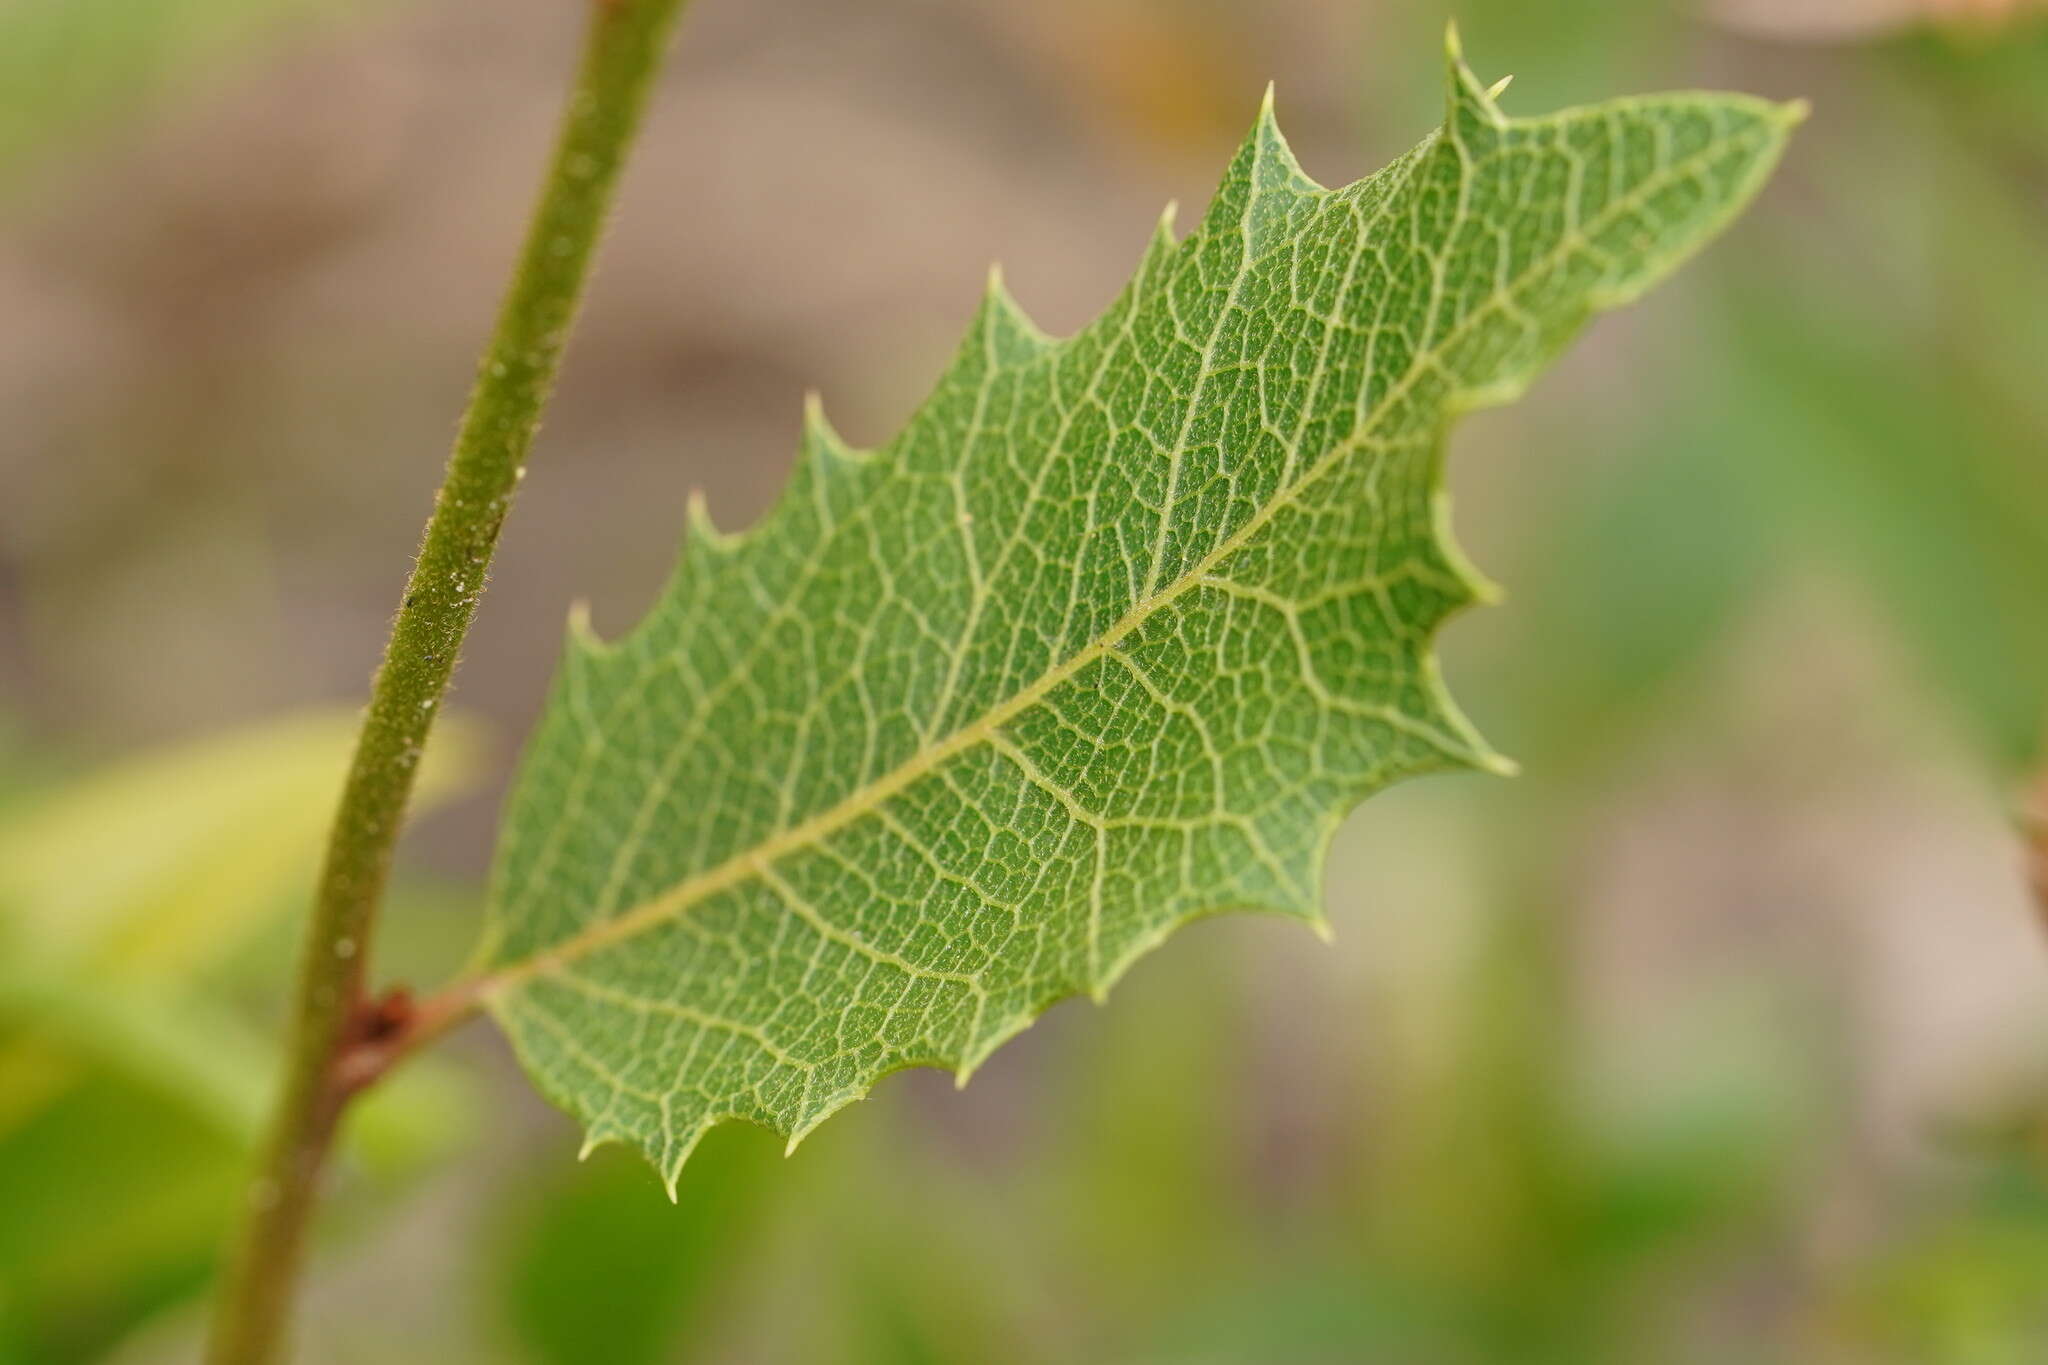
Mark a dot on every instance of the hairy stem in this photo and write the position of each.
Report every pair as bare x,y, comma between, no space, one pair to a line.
339,1038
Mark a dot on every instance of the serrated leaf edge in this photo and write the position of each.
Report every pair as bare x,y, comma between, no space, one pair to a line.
705,545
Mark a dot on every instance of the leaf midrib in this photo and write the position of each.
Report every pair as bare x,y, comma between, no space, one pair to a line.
748,865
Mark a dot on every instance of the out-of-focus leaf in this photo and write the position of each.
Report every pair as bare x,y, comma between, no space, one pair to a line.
113,1199
118,889
1706,1149
122,1159
1875,380
130,1094
191,1052
1961,1284
200,1058
1936,505
599,1271
1629,590
1326,1314
151,869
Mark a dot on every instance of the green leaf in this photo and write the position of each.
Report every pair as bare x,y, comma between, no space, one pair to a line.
1108,638
122,890
161,864
133,1083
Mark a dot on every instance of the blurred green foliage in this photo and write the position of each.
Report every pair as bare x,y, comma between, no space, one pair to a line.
1423,1158
67,65
600,1264
140,904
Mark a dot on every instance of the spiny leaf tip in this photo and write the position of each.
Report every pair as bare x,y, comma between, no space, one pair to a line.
702,533
1274,153
821,440
1465,90
1003,321
582,634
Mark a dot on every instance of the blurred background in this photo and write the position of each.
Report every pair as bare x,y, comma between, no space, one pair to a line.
1721,1035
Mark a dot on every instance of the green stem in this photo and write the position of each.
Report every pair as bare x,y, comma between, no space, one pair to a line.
335,1025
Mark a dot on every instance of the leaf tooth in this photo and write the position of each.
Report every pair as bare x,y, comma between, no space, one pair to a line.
992,1037
819,1112
1275,161
598,1135
1162,231
702,539
584,641
1262,187
1159,249
822,443
1005,329
1441,713
1479,589
676,1151
1459,742
1471,106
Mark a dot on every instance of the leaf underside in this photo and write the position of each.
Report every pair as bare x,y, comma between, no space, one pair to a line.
1110,637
